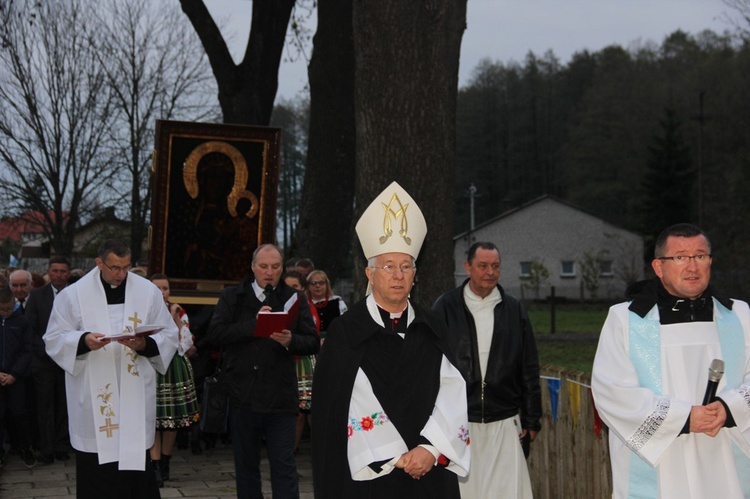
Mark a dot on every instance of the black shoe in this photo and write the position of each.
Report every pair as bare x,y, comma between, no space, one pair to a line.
45,459
62,456
156,467
28,458
164,467
195,447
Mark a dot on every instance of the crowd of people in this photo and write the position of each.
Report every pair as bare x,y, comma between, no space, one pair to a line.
400,400
33,399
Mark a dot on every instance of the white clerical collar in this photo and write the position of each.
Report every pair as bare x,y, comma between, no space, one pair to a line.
494,295
372,307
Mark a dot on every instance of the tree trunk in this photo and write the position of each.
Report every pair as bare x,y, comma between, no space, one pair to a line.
246,91
328,193
406,56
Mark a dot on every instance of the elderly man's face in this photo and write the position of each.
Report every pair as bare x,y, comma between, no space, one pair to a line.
688,280
20,284
267,267
391,290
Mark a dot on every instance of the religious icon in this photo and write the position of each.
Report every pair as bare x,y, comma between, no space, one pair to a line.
214,201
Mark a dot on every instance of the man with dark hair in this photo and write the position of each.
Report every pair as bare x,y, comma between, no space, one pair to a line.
260,373
291,264
668,436
48,377
110,372
304,266
491,337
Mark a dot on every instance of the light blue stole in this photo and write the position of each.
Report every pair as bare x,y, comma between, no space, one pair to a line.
645,355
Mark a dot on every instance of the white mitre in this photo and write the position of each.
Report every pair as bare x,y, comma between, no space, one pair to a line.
393,223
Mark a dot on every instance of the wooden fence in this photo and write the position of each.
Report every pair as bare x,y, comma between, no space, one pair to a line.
568,459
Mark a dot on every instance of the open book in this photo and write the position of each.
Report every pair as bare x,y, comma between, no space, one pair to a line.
129,332
274,322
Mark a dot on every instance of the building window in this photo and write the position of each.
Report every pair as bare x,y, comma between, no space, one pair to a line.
605,270
525,270
568,268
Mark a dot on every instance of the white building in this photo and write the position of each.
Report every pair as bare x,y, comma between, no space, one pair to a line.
576,249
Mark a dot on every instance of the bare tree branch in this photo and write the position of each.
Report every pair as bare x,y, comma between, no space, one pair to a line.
54,114
155,69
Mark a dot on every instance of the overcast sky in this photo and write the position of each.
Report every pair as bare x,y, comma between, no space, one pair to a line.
505,30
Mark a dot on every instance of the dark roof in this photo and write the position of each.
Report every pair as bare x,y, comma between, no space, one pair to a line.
512,211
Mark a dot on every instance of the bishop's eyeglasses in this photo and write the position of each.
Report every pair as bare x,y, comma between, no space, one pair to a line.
682,260
391,269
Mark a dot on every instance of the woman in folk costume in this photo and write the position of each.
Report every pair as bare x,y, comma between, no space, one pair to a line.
176,400
390,408
305,364
111,383
328,305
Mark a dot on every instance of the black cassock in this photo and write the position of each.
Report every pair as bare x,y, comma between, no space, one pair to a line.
405,377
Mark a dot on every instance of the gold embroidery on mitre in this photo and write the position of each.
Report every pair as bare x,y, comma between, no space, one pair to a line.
387,224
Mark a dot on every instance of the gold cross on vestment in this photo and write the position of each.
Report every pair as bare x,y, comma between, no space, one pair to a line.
109,427
135,320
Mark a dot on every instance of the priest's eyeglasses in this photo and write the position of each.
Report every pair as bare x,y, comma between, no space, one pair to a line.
682,260
391,269
117,270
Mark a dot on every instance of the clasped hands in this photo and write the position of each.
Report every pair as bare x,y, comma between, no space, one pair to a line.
708,419
7,379
417,462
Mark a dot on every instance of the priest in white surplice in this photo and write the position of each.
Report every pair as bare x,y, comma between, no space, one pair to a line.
650,375
110,384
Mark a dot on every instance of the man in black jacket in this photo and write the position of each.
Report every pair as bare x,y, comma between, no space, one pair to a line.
261,374
15,356
48,377
490,335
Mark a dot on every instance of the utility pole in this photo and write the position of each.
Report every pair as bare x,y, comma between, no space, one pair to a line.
472,194
701,120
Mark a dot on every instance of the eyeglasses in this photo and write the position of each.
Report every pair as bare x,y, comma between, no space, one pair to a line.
682,260
391,269
117,270
317,283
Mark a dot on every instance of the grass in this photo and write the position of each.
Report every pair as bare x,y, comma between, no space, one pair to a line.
576,355
571,320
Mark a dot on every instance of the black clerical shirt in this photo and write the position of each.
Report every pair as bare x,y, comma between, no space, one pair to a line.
116,296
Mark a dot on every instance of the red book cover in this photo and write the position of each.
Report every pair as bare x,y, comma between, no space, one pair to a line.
274,322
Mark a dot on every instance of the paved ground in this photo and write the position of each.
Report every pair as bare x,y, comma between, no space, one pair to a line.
201,476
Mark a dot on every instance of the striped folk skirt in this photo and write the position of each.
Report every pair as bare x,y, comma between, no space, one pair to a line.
176,400
305,368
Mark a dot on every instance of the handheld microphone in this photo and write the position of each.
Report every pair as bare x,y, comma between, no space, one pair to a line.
268,290
715,372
